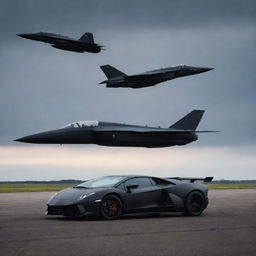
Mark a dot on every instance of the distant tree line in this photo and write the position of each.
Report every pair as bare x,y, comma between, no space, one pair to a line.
234,181
45,182
80,181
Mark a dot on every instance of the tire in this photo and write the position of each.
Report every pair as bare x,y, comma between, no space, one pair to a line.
194,204
111,207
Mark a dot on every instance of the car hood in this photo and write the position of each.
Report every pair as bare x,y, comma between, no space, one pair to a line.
71,195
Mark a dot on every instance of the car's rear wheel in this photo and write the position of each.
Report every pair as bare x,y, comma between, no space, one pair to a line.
194,204
111,207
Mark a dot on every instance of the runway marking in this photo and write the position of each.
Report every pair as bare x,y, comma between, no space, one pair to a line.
129,234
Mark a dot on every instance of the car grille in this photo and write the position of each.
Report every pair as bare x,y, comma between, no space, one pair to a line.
70,210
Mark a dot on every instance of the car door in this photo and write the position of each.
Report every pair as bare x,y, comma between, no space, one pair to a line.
145,197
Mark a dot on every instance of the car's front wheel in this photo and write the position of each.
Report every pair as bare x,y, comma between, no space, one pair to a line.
111,207
194,204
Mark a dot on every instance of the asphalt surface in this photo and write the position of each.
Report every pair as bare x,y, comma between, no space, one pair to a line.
227,227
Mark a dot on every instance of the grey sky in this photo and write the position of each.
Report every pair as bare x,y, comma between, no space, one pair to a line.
43,88
125,14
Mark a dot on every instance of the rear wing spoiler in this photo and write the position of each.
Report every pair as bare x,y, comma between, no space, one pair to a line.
192,180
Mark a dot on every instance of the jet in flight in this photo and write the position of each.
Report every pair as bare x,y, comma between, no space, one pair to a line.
117,78
116,134
84,44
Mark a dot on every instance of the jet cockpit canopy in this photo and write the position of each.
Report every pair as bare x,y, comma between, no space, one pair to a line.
82,124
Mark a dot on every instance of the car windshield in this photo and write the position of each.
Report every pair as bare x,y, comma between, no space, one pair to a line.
106,182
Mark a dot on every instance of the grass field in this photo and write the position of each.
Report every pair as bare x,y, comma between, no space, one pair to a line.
33,187
231,186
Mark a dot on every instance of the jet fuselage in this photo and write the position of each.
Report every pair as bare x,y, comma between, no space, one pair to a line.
127,138
63,42
181,132
151,78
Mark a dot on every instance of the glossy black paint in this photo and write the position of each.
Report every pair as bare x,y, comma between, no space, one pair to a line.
116,134
65,43
111,138
117,78
167,195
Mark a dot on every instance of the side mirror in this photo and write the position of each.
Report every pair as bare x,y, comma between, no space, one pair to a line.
131,186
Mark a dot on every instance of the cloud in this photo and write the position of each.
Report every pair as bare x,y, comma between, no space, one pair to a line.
48,163
63,15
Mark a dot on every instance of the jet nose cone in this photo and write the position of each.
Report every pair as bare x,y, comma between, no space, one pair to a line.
27,139
19,140
35,138
198,70
21,35
203,69
27,36
49,137
207,69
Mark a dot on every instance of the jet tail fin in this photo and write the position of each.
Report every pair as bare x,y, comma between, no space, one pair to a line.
190,121
87,38
111,72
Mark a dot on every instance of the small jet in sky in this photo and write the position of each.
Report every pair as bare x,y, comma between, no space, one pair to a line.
84,44
116,134
117,78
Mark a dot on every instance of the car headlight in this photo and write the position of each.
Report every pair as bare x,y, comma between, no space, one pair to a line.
86,195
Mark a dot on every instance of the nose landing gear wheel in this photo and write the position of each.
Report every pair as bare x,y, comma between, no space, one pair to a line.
111,207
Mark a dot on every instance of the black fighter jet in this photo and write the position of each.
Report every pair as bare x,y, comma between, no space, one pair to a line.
117,78
83,44
116,134
110,197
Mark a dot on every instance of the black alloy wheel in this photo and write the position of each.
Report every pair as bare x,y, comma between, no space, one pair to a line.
111,207
194,204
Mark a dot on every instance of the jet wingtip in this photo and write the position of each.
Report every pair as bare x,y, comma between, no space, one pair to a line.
205,131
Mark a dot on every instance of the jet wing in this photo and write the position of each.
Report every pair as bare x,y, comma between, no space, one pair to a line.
148,74
143,130
139,77
126,129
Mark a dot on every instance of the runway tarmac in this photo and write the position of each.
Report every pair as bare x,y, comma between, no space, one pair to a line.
227,227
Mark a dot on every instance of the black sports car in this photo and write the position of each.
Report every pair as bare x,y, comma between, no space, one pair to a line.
112,196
